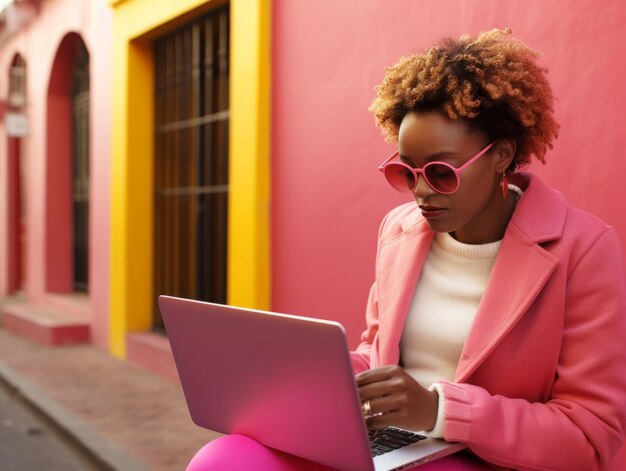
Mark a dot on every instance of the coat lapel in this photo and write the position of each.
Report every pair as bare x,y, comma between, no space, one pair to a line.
400,264
505,300
521,271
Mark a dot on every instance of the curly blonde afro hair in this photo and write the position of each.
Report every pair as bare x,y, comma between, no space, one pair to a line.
492,80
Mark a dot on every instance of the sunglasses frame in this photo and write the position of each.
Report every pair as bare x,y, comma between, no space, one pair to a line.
416,171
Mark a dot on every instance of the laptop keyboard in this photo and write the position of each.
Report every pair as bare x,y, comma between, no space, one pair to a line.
391,438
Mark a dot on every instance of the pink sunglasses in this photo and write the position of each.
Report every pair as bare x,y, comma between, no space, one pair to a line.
440,176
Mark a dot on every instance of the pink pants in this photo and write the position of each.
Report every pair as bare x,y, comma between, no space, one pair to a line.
240,453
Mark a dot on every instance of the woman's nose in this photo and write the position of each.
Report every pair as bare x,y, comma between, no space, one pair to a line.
422,189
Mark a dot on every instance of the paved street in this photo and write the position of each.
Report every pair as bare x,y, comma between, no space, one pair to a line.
28,442
128,417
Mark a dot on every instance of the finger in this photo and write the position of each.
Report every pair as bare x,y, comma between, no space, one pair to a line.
383,371
388,419
375,375
369,377
386,404
374,390
379,422
397,383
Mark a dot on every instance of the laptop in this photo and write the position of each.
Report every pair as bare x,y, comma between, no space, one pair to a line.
285,381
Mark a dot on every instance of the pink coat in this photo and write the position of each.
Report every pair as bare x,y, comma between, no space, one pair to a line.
541,382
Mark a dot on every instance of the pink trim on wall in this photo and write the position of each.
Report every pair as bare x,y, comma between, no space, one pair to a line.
101,78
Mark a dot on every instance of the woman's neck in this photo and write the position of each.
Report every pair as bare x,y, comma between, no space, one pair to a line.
493,226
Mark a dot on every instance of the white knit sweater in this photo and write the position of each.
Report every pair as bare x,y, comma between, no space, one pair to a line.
449,290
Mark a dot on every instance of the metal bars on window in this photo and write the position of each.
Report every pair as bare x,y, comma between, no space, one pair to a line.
80,170
191,160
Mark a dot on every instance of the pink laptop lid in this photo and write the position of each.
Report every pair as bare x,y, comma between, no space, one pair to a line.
282,380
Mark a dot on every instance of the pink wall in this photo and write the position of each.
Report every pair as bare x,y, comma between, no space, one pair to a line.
328,197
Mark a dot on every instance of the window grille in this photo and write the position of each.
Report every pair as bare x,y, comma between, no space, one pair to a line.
191,160
80,170
17,83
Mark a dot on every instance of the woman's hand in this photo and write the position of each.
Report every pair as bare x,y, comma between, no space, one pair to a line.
397,399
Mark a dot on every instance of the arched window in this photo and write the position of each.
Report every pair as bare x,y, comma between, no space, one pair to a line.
67,172
17,83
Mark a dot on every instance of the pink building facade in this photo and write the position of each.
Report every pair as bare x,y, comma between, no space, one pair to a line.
49,50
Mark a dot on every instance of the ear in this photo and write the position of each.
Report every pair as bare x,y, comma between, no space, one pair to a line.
504,153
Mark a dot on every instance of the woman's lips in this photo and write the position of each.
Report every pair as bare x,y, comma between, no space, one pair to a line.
430,212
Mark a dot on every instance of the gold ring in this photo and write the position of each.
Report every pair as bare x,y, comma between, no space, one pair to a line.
366,408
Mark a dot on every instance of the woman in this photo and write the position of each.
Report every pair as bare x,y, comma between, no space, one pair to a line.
498,313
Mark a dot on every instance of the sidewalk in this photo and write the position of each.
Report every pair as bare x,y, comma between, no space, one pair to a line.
126,417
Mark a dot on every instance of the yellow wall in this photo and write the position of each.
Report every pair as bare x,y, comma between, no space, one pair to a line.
136,24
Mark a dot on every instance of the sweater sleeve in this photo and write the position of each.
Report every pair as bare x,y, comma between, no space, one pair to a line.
582,424
437,430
